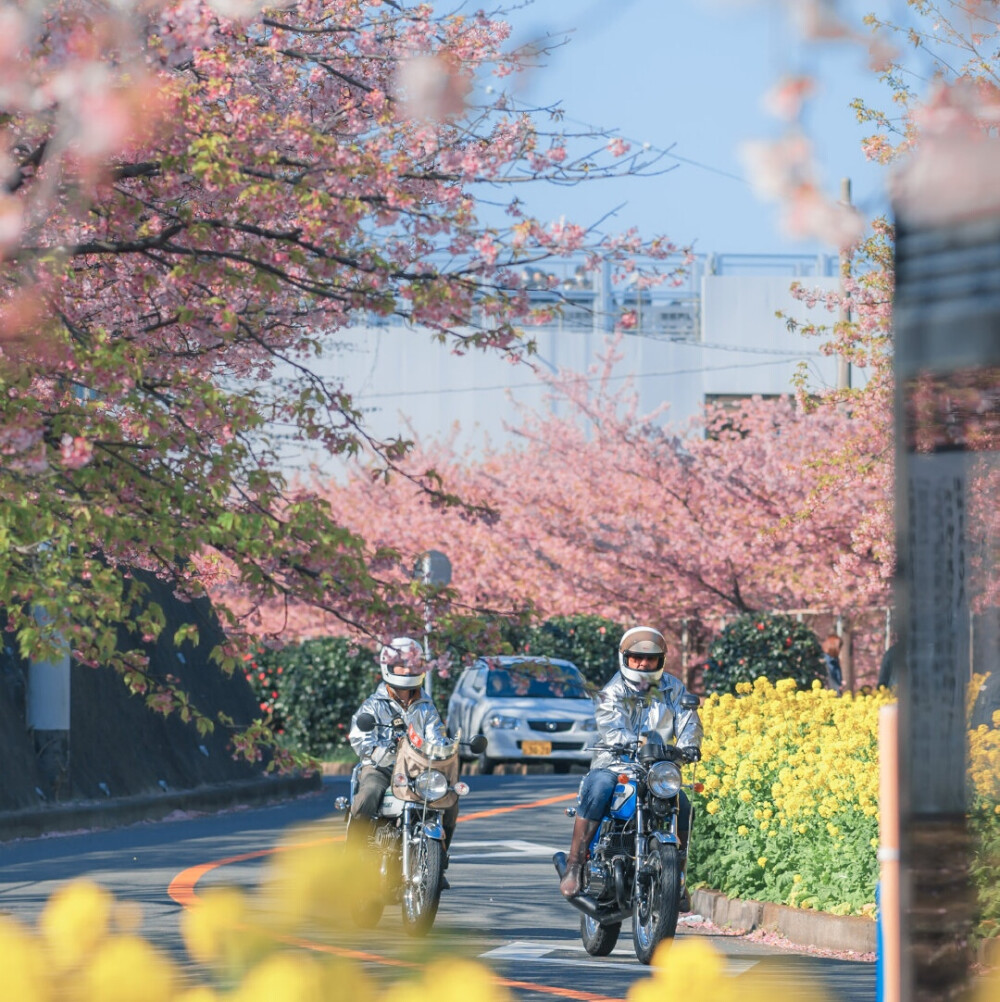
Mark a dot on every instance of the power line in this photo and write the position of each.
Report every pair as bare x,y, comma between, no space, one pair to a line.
578,379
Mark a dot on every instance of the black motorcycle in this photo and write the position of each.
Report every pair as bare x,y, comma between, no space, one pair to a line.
635,865
408,836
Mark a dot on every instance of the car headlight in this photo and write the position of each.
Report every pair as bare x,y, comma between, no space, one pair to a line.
664,780
587,725
431,785
501,723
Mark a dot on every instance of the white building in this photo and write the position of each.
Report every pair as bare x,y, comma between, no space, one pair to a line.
716,338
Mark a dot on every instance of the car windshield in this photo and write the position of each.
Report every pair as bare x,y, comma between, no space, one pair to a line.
540,679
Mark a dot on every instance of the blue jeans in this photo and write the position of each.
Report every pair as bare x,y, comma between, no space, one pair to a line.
598,789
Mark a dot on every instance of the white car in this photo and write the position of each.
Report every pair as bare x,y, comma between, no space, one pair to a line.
530,709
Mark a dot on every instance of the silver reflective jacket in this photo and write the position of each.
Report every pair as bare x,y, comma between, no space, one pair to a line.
378,747
622,712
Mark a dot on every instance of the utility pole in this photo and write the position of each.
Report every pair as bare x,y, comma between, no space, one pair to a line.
844,318
433,568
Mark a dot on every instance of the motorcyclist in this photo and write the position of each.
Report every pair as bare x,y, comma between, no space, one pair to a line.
397,704
638,699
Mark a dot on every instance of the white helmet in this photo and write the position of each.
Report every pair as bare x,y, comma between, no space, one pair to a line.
402,663
642,640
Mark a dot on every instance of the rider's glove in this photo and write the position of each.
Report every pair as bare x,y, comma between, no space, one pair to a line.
692,754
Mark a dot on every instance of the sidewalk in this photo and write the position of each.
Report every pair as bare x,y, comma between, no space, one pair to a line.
33,822
843,933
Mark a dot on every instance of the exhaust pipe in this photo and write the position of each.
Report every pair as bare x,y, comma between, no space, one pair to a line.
602,915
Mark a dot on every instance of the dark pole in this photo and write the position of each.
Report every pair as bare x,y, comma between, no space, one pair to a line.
947,354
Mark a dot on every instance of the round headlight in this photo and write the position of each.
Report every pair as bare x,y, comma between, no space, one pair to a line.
431,785
664,780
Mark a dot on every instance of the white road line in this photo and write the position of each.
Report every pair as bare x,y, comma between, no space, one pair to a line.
507,847
536,952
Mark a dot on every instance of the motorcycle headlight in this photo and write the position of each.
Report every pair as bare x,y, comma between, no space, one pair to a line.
664,780
431,785
502,723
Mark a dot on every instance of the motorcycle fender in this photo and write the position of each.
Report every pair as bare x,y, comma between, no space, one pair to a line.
665,838
433,829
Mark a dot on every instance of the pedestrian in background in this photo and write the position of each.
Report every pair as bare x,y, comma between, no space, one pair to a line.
831,657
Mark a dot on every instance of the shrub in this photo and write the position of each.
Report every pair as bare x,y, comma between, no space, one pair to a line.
310,690
789,810
765,645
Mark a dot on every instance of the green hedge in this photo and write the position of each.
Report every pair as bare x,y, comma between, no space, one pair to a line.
309,691
768,645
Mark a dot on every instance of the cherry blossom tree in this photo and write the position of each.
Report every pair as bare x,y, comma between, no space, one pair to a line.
196,197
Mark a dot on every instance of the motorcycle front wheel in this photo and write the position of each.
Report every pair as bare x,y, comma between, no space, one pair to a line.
422,894
598,940
655,910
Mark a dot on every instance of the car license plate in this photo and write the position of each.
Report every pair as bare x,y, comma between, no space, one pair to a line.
536,747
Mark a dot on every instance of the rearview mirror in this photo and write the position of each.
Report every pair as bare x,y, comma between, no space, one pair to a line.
365,722
689,701
478,744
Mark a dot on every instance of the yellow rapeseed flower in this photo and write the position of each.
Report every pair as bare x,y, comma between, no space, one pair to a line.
127,969
684,968
448,980
23,963
75,919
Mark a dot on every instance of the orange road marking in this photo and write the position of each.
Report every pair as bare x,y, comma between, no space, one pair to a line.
340,951
182,890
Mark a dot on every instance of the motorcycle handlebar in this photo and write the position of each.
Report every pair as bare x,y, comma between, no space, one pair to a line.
671,752
366,723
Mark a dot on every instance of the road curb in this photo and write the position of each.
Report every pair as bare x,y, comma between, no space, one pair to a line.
844,933
33,822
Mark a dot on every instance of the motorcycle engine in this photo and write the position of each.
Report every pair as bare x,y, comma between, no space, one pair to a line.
385,837
600,880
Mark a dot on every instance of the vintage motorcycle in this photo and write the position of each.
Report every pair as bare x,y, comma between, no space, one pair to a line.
408,836
635,865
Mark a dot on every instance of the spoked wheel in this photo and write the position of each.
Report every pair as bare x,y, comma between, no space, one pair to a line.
598,940
654,914
422,894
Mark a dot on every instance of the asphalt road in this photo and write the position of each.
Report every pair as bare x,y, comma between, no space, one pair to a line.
503,907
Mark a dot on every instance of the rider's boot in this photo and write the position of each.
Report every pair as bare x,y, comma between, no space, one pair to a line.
572,881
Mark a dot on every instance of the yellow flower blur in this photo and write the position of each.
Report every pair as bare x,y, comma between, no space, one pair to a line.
692,968
24,964
74,920
127,969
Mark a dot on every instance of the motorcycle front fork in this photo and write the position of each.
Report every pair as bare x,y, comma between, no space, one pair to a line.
414,814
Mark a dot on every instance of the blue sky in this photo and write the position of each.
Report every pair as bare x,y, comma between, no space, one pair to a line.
691,75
